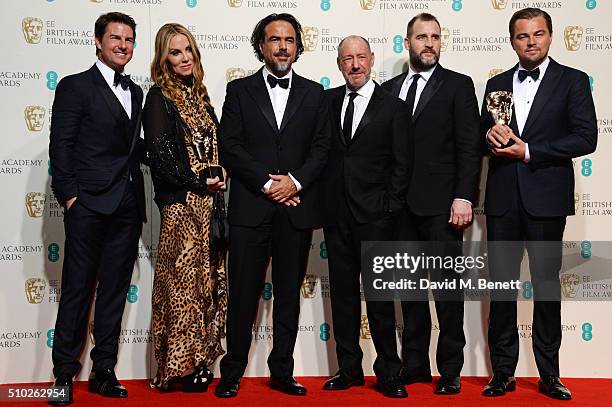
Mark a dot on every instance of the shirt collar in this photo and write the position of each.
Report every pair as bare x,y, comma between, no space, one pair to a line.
365,91
107,72
425,74
543,66
266,72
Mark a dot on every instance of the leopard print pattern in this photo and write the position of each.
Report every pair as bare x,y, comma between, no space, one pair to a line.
189,289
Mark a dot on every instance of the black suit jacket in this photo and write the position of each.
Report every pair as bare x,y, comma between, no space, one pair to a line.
94,146
371,172
561,125
251,147
446,142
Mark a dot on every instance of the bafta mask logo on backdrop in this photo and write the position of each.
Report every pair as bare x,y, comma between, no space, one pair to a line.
35,290
569,285
96,1
309,286
311,38
234,73
35,204
572,35
576,201
234,3
494,72
90,330
374,75
365,328
444,38
34,117
367,4
32,28
499,4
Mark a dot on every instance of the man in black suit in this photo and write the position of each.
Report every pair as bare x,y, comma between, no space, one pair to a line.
95,155
364,183
274,140
530,192
443,188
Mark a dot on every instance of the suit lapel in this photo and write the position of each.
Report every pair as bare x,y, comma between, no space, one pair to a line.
133,124
396,86
296,95
109,97
337,100
258,91
545,90
431,87
369,114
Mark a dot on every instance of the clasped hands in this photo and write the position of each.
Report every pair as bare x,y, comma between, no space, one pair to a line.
498,136
283,190
215,184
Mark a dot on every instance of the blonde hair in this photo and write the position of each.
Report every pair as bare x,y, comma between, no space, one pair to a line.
161,71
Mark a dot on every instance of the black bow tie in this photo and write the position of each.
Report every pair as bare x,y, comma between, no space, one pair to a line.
123,80
283,83
523,74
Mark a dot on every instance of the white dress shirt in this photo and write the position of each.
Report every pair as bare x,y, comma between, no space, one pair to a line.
523,94
123,95
279,98
364,94
425,75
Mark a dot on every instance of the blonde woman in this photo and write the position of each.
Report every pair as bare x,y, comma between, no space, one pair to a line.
189,289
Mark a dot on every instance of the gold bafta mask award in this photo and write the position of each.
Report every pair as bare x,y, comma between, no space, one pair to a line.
444,38
569,285
32,28
367,4
234,73
309,286
572,36
35,204
365,328
203,149
499,105
234,3
499,4
34,117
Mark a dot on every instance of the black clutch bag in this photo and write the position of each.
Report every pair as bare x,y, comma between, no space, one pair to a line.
219,228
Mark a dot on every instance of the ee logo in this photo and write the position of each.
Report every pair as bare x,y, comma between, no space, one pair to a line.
267,291
587,331
50,336
527,290
325,82
191,3
591,4
325,5
53,252
585,249
457,5
398,44
132,295
324,335
323,250
52,78
587,169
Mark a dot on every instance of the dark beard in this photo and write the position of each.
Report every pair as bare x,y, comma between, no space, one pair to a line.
419,64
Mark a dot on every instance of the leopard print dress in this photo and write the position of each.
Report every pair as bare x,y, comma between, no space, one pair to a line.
189,289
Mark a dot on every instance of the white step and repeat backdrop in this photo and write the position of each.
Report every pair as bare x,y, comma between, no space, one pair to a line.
45,40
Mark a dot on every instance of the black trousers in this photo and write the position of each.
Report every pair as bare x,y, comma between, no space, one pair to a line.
249,254
544,265
416,334
100,248
343,242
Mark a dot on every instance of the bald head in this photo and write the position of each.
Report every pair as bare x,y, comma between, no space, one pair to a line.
355,61
353,38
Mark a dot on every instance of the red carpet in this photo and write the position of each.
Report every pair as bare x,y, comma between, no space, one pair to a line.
254,392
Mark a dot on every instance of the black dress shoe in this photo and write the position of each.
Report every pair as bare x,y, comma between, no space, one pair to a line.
343,381
418,377
552,387
198,381
105,383
227,388
499,385
287,385
448,385
392,388
62,392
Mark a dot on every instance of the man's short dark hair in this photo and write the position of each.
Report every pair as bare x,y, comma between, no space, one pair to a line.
113,17
420,17
528,14
259,33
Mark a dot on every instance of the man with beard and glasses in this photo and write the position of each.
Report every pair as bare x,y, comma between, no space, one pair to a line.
443,188
274,139
363,190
